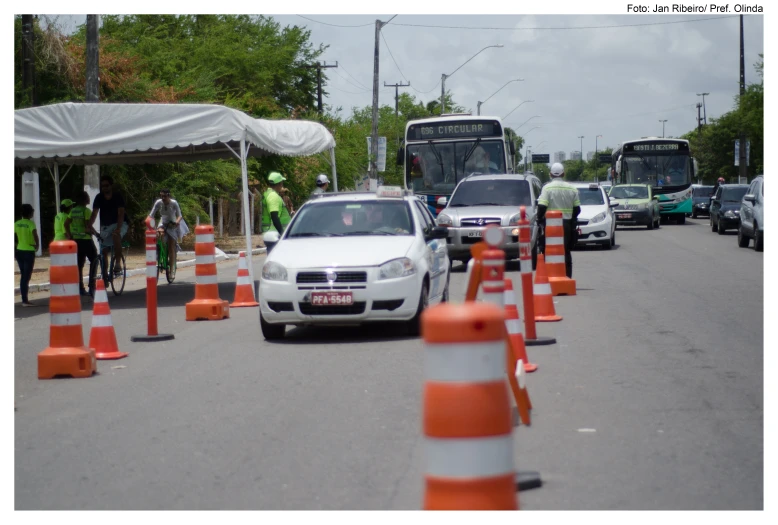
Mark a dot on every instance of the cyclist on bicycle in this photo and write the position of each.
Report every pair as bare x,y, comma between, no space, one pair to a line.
111,206
169,224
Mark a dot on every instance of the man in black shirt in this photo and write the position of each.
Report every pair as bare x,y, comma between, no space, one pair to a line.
112,213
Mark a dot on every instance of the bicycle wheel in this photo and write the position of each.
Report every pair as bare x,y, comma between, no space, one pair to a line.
118,278
160,259
170,272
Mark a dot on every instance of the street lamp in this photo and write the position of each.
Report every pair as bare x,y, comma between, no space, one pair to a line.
704,114
445,76
596,160
517,107
581,137
663,127
493,94
534,116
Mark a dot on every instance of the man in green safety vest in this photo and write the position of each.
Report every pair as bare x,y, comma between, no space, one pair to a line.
59,220
274,212
559,195
76,229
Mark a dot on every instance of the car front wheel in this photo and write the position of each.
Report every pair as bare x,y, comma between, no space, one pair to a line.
742,238
414,325
271,332
758,239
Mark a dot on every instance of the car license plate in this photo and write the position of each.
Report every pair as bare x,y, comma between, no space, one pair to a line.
476,234
625,215
331,298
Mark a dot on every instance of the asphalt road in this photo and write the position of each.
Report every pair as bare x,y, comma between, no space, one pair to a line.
652,398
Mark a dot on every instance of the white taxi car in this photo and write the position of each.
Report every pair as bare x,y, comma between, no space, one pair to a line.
349,258
596,223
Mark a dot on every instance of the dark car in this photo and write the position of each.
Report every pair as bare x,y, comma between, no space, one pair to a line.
725,207
701,200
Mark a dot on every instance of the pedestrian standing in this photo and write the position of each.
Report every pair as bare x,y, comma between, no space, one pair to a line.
26,237
274,211
559,195
59,220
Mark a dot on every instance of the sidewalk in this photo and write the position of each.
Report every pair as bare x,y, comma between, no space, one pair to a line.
226,248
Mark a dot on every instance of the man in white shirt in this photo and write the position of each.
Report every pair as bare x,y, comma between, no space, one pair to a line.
169,223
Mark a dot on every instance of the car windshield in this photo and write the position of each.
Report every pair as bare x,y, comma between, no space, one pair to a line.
733,194
590,197
439,167
629,192
704,191
492,193
343,218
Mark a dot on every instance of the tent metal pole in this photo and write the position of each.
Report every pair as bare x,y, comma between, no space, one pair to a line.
56,185
334,170
246,218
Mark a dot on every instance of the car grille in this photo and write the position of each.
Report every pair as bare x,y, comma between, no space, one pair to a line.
471,240
342,277
351,309
476,223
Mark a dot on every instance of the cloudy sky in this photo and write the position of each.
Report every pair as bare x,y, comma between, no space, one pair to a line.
617,81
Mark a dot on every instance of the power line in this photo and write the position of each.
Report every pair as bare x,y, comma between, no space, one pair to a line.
350,82
591,121
567,28
335,25
391,55
355,78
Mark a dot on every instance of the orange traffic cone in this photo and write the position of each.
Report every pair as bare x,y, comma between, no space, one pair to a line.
561,284
66,354
244,290
206,304
544,301
102,337
514,326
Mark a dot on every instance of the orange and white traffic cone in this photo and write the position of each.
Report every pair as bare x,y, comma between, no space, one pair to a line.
244,290
466,410
66,354
544,301
561,284
102,337
515,328
206,304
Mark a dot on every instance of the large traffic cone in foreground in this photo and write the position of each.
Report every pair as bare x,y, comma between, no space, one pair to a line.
102,337
206,304
66,354
244,289
466,412
561,284
544,301
514,326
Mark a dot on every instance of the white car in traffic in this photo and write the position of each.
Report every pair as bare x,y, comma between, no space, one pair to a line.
596,223
350,258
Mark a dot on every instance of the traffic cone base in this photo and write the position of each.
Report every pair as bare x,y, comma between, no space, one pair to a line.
207,310
244,290
66,361
562,286
544,300
496,493
102,337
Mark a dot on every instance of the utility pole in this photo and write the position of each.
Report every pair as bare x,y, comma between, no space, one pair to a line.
28,59
397,108
92,172
743,143
704,112
699,118
663,126
319,67
373,173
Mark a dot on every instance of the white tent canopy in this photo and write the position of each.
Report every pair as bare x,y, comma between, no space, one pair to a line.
100,133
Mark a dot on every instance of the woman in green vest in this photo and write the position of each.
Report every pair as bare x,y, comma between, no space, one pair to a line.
26,236
59,220
274,211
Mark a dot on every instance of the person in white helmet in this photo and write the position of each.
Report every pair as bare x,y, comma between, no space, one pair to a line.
558,195
322,183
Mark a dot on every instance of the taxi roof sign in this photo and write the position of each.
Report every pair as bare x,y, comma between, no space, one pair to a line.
390,192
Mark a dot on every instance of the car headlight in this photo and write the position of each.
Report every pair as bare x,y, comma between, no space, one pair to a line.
272,271
445,220
597,218
731,214
396,268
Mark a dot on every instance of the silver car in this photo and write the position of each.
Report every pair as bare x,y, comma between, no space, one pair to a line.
481,200
752,215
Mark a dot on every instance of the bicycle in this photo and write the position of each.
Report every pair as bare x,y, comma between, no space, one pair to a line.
108,277
162,256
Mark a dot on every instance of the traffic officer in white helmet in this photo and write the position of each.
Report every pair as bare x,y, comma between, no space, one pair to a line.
322,183
559,195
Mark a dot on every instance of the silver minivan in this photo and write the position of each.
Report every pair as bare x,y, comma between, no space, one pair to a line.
752,215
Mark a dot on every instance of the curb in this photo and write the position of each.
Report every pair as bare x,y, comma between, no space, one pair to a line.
220,256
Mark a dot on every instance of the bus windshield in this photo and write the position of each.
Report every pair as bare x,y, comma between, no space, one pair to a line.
657,170
437,167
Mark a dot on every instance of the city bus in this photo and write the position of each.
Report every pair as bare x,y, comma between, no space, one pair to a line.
439,152
666,164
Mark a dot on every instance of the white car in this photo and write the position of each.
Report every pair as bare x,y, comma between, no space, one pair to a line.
349,258
596,223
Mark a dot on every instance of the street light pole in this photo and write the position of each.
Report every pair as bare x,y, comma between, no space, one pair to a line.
704,113
663,127
596,159
493,94
445,76
517,107
534,116
581,137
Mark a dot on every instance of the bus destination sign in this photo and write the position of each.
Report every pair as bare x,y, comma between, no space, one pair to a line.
657,147
455,130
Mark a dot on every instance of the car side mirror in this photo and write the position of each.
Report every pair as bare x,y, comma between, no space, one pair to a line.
271,237
750,198
613,204
438,232
442,201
